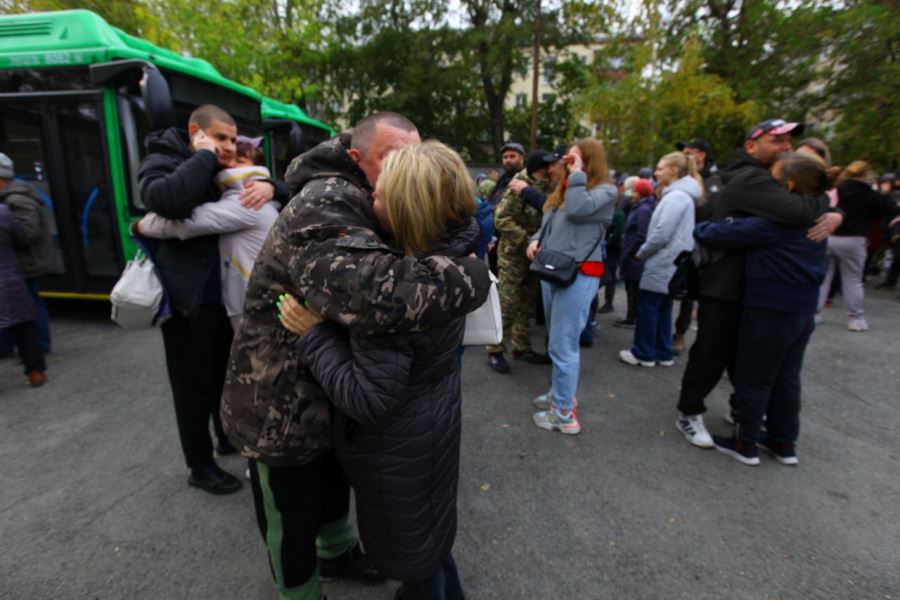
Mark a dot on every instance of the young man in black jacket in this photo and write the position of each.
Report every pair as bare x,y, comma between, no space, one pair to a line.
750,190
175,177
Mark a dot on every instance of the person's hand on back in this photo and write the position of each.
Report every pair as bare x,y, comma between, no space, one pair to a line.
294,317
256,193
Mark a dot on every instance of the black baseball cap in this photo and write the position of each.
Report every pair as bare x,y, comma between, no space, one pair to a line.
775,127
539,159
514,147
701,145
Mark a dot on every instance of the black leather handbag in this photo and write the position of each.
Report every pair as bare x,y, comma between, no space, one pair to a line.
555,267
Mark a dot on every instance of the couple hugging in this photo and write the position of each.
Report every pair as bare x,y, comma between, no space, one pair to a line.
365,391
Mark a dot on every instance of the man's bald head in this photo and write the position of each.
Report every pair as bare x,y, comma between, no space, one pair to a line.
375,136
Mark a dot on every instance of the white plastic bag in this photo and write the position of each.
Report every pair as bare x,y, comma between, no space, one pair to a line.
138,295
484,325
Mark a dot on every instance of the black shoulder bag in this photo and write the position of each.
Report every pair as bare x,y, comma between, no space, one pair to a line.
555,267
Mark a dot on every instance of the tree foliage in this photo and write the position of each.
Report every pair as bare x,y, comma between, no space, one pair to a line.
677,69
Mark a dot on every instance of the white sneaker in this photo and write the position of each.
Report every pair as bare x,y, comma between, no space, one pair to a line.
630,359
694,430
818,318
857,325
544,401
665,363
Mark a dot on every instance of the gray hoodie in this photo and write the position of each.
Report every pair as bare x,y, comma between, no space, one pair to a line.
581,221
671,232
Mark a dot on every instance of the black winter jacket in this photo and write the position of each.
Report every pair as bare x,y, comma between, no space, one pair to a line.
397,431
862,206
750,190
174,180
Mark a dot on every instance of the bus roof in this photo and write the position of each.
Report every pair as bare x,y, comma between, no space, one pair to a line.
81,37
273,109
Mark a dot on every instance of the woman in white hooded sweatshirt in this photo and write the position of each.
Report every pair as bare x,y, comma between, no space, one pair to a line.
670,233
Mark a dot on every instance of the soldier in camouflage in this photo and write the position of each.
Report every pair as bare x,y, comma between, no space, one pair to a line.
516,220
326,249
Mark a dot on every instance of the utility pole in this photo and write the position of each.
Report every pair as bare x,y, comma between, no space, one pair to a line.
536,73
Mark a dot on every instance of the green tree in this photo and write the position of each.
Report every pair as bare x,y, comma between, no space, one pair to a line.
681,103
864,88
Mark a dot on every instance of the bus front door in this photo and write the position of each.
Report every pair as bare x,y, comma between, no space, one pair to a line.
57,144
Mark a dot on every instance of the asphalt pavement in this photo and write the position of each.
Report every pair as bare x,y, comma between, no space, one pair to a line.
94,501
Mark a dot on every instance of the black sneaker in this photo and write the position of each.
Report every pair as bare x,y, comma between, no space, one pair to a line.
626,323
539,358
606,309
740,450
225,448
214,480
352,564
532,357
498,362
784,452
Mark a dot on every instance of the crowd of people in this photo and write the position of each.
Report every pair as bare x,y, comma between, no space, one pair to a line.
318,321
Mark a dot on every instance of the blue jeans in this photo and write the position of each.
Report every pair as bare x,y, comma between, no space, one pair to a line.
653,330
566,310
43,322
443,585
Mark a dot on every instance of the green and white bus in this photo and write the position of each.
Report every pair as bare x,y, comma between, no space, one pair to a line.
77,97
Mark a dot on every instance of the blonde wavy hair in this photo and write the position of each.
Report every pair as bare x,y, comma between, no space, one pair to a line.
595,167
684,166
424,187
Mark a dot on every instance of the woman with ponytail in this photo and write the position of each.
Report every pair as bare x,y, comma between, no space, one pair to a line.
670,233
575,219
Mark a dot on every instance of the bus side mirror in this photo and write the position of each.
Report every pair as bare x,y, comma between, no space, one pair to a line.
153,86
157,99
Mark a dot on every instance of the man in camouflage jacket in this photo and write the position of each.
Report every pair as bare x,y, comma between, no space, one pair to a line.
325,248
516,220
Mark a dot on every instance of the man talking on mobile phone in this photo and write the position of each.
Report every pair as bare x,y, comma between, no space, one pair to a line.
176,176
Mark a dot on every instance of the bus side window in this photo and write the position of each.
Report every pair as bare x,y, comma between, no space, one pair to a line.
133,127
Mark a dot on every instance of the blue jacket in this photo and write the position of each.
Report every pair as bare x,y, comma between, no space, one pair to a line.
783,269
630,268
484,214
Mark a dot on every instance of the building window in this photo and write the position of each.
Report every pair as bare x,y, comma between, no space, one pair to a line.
549,69
521,99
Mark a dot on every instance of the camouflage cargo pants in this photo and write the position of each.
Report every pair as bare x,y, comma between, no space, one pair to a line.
518,296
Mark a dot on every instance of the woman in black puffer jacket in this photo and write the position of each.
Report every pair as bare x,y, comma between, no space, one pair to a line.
397,423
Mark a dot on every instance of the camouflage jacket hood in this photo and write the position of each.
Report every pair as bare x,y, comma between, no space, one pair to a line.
325,249
328,159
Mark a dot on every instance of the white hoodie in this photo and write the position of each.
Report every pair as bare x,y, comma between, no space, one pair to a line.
671,232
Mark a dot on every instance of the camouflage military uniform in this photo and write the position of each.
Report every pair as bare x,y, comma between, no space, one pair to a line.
516,222
324,249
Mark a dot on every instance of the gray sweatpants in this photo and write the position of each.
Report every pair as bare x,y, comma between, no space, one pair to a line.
847,253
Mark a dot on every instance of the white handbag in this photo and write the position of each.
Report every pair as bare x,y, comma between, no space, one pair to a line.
484,325
138,295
